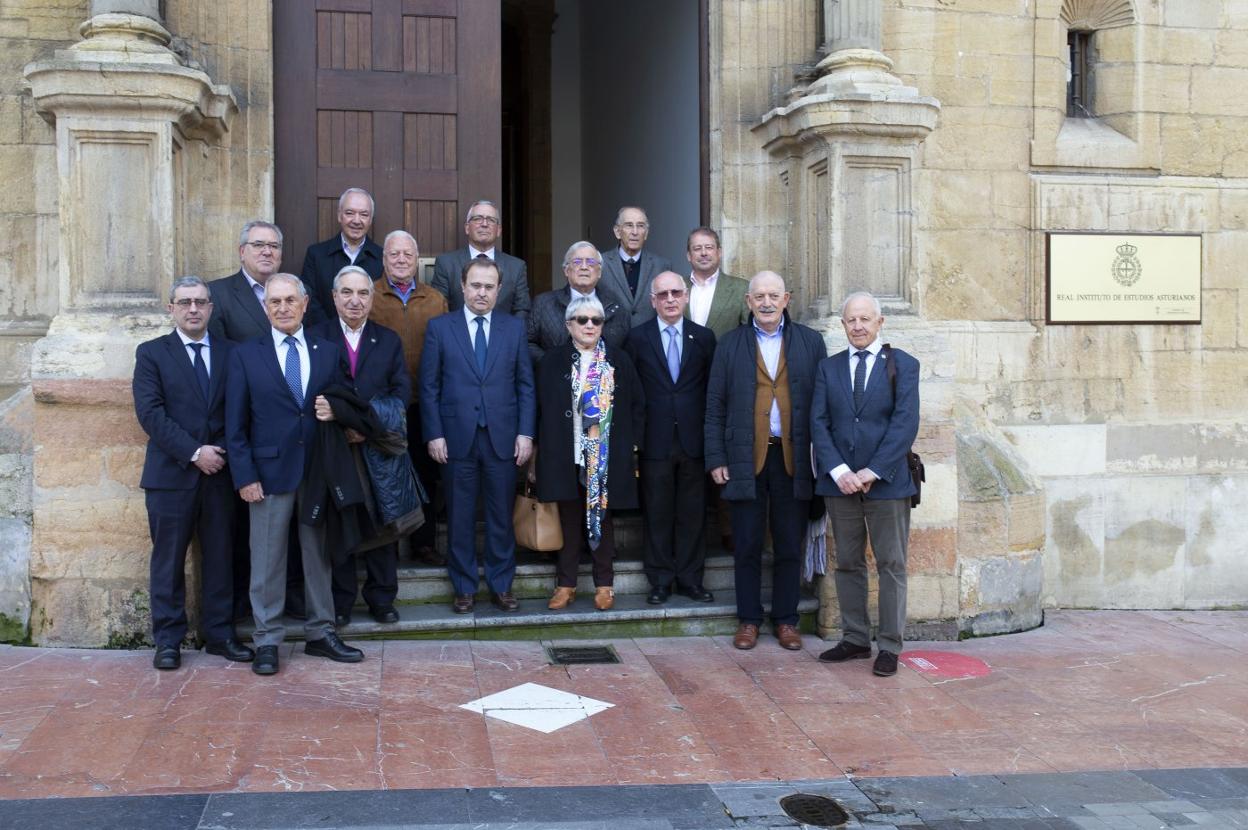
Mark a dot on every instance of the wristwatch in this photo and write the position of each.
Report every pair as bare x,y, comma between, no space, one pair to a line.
195,457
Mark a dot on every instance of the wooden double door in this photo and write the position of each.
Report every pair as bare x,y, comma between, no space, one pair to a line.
400,97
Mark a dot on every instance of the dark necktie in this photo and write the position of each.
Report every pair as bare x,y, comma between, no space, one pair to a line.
478,346
482,256
632,268
201,368
293,370
860,378
673,354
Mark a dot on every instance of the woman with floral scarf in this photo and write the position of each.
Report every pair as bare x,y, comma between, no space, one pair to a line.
589,419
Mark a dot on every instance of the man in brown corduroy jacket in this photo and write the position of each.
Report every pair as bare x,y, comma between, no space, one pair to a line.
403,303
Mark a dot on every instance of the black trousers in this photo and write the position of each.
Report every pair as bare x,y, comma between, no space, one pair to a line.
576,545
773,500
673,493
381,580
173,517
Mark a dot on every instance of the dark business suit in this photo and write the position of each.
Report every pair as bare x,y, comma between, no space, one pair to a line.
638,302
547,329
672,471
876,434
479,414
181,500
513,290
236,313
380,371
268,435
772,496
322,262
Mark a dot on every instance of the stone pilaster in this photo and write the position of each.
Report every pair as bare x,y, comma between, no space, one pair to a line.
123,105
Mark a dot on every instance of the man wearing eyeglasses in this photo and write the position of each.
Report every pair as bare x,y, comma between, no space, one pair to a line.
179,398
484,226
350,246
582,267
238,300
673,356
629,269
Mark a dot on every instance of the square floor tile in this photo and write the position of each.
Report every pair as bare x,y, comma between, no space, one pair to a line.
537,707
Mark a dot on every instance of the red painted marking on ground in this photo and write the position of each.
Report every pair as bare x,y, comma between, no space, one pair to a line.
945,664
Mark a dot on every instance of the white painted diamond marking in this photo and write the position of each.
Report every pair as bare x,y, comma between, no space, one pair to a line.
537,707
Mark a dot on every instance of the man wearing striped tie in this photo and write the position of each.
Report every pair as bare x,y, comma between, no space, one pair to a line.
272,404
864,418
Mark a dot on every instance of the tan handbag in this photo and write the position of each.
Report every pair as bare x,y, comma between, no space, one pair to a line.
537,523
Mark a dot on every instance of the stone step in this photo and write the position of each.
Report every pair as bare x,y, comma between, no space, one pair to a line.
631,617
535,577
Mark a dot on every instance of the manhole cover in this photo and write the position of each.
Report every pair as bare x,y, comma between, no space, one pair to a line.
815,810
581,655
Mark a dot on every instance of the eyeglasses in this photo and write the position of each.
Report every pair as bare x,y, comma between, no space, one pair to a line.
190,302
584,262
588,321
479,219
635,226
669,294
265,246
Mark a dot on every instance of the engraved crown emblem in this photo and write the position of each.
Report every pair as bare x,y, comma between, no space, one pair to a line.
1126,249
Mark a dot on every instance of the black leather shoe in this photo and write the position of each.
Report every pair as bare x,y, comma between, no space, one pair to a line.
658,595
385,614
341,620
506,601
843,651
697,593
167,657
266,660
885,664
231,650
333,648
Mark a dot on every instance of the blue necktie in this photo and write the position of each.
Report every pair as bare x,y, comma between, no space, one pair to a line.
478,344
673,353
293,368
860,378
201,368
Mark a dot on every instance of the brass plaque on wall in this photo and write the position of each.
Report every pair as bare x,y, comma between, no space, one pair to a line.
1122,278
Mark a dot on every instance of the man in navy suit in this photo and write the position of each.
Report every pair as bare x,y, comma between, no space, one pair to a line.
350,246
862,426
673,358
272,404
377,369
179,398
238,300
478,411
484,226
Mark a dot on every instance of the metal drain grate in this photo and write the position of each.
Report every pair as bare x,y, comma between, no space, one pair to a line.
581,655
814,810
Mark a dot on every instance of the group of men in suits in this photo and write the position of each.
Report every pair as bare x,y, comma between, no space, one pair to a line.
734,388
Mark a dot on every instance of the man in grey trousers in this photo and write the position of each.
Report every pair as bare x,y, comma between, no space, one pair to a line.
864,418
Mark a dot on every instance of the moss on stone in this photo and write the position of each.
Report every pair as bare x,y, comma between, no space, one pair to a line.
13,632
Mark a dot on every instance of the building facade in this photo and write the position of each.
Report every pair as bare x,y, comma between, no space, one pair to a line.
921,149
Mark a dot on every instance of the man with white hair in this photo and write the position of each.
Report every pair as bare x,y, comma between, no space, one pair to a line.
403,303
865,418
350,246
582,267
758,449
272,403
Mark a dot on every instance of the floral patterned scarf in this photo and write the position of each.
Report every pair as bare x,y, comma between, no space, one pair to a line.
592,399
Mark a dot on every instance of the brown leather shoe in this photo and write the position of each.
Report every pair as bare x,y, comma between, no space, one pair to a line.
789,637
746,636
604,598
562,599
463,603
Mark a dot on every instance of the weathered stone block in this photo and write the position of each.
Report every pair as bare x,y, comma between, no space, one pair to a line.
1222,447
1060,449
939,505
1001,595
1074,543
124,465
1025,514
983,529
933,550
1214,575
1153,448
1196,14
1145,538
64,467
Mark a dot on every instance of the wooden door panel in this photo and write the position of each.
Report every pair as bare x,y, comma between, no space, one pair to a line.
400,97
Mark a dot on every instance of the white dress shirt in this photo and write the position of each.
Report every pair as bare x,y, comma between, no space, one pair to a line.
474,253
700,296
206,351
351,253
770,345
256,288
471,316
353,335
873,353
283,349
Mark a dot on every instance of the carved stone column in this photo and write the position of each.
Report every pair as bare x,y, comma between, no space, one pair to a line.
852,138
124,105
